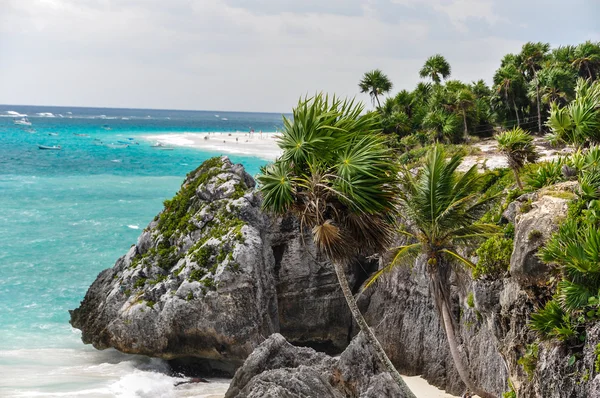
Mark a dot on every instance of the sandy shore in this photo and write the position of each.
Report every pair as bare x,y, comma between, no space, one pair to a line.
262,145
417,385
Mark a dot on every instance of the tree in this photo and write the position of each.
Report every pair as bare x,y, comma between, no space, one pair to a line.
586,58
556,84
532,57
464,100
375,83
518,148
443,209
337,176
509,83
435,68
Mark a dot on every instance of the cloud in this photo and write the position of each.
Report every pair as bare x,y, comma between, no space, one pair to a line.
246,55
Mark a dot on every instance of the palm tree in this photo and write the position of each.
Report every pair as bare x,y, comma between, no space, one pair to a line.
586,57
518,148
464,100
443,209
434,67
532,57
337,176
509,83
375,83
557,84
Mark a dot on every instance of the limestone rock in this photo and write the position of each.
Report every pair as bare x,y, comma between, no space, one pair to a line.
278,369
532,228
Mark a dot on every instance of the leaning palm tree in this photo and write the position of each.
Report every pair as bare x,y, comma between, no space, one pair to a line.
337,176
532,57
518,148
442,208
586,59
375,83
435,68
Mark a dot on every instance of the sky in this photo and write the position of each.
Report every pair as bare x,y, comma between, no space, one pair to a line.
259,55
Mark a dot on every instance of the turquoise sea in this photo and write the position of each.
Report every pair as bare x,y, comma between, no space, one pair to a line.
65,216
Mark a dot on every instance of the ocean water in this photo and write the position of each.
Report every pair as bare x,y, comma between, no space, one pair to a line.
65,216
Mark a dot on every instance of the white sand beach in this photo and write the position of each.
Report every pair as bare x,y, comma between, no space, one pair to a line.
262,145
417,385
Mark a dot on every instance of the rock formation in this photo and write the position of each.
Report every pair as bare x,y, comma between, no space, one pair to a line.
212,277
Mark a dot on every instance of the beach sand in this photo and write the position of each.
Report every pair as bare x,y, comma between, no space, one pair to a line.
260,145
417,385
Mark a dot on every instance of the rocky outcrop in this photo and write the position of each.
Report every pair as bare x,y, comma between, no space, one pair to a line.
211,277
278,369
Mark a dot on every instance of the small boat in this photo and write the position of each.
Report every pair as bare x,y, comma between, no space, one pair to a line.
106,127
81,135
23,122
224,118
51,148
158,145
53,134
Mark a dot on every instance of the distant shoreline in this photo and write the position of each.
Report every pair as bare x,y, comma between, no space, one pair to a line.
262,145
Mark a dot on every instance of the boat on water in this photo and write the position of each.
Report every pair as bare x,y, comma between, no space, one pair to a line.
50,148
81,135
158,145
106,127
22,122
53,134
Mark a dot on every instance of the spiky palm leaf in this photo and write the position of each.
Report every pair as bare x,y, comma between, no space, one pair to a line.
436,67
517,146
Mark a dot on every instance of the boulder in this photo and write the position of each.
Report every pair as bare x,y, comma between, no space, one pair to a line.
212,276
278,369
534,225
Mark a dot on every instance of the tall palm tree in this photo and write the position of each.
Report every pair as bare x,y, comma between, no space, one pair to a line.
443,209
435,68
464,100
375,83
557,84
518,148
532,57
509,83
337,176
586,57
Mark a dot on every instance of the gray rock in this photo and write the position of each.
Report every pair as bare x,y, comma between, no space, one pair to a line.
216,285
278,369
532,229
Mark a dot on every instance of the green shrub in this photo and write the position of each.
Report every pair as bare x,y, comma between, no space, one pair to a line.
534,235
493,257
546,174
470,300
139,283
529,360
552,322
597,361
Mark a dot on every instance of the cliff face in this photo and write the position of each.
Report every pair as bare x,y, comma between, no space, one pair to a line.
212,277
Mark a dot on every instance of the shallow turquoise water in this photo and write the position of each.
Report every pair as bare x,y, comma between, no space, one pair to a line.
66,215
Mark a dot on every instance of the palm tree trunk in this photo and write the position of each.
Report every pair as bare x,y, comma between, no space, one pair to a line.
378,103
587,66
368,332
539,110
516,112
458,363
465,123
517,178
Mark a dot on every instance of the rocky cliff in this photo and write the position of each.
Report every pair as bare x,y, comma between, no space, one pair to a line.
212,277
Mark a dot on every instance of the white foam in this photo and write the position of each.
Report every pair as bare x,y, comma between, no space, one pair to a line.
45,114
15,114
134,226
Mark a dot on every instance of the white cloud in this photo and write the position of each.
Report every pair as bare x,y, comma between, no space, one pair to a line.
233,54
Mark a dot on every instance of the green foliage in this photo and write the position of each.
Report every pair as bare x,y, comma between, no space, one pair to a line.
534,235
375,83
493,257
190,296
546,174
529,360
518,147
470,300
552,322
577,123
150,303
436,67
597,361
336,174
178,210
139,283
